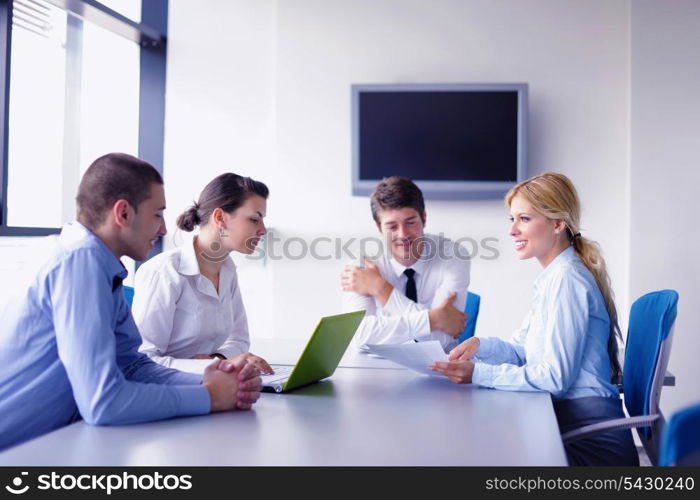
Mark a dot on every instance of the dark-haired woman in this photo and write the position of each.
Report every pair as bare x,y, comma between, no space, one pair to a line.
188,304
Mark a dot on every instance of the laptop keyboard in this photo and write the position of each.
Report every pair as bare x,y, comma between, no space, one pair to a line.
281,373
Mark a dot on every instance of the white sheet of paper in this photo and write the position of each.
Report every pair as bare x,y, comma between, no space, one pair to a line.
416,356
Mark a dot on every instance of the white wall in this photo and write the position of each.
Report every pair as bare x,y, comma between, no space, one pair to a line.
665,173
220,114
264,88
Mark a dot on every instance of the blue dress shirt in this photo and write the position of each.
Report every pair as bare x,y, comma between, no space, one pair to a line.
561,346
69,348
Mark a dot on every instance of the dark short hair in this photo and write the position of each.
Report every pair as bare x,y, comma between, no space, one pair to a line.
393,193
227,191
112,177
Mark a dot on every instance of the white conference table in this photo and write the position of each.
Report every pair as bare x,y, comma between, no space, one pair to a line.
370,412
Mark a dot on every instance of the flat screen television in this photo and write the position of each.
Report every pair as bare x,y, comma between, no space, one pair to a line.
456,141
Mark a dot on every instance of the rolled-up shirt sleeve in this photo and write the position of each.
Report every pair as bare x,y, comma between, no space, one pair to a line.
403,320
454,279
382,328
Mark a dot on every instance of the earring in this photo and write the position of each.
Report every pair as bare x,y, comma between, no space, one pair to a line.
221,233
556,231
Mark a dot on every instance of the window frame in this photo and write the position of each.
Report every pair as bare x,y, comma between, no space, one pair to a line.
151,36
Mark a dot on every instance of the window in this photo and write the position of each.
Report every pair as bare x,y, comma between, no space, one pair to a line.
83,80
37,89
109,96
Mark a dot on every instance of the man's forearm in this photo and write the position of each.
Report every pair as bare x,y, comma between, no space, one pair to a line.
383,292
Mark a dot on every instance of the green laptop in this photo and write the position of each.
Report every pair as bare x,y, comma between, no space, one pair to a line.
321,355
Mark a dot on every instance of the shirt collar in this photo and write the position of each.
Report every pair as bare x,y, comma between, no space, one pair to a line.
188,260
418,266
567,255
76,235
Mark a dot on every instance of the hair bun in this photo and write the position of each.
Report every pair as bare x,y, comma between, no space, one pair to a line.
189,219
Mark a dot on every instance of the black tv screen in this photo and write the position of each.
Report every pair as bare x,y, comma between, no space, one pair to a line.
456,141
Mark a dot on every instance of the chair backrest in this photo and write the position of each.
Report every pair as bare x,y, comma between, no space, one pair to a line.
680,441
647,350
472,310
128,294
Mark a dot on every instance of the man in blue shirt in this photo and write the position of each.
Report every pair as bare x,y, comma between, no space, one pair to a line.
69,346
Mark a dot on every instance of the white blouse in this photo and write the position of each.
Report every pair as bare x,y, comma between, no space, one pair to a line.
180,314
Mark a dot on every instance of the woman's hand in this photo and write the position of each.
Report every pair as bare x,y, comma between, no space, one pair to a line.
256,361
459,372
466,350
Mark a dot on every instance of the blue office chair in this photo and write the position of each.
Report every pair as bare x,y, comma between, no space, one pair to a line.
128,294
472,310
647,351
680,441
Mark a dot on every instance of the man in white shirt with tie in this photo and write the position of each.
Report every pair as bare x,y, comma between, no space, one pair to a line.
417,289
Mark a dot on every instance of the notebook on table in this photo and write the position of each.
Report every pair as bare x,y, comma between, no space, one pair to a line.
320,357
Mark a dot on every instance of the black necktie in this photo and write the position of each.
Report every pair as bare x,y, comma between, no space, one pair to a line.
411,292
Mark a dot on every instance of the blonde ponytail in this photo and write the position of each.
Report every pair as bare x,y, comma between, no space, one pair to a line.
590,254
554,196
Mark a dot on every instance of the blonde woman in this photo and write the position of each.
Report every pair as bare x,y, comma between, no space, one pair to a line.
567,344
